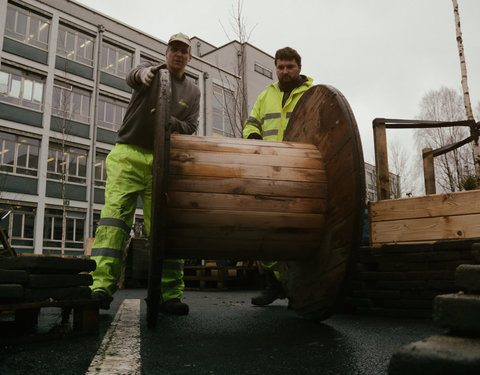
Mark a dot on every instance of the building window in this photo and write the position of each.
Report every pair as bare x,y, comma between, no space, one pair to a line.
27,27
19,224
144,59
74,230
110,112
100,169
263,71
18,154
223,112
70,102
75,45
21,88
115,60
67,161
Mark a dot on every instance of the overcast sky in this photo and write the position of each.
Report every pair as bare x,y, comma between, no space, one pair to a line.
383,55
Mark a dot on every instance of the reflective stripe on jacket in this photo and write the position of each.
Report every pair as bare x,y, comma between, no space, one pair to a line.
268,118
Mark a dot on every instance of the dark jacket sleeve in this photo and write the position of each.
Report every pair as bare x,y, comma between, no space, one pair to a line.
132,79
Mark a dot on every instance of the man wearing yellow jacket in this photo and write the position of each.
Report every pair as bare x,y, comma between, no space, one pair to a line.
268,120
129,173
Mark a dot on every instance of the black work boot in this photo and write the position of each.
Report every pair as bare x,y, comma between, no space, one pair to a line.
272,291
102,298
174,307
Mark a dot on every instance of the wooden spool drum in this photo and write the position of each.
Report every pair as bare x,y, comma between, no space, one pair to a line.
300,201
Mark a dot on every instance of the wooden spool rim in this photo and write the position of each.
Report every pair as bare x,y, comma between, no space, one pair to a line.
324,118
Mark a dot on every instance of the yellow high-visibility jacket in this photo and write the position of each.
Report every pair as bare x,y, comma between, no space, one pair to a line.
268,118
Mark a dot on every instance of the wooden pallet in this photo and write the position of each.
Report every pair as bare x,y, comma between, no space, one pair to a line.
25,314
211,276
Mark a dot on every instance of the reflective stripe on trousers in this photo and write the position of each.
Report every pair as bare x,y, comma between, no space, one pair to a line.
129,171
272,266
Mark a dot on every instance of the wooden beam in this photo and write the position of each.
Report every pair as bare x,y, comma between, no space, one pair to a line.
381,161
429,171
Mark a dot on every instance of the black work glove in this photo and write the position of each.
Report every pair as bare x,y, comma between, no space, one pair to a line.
254,136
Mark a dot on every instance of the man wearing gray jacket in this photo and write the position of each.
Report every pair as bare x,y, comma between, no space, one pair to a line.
129,174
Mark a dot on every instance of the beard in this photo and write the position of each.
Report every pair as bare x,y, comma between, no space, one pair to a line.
288,84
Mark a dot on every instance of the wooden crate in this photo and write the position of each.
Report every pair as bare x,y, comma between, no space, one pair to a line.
425,219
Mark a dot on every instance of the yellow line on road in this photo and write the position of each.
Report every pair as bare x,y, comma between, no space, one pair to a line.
119,353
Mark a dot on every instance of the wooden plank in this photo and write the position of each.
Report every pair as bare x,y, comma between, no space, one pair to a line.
243,219
458,203
381,161
290,149
247,160
183,247
235,202
189,168
426,229
178,140
257,234
231,185
429,172
88,246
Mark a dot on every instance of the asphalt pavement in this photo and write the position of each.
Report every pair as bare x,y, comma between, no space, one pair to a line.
223,334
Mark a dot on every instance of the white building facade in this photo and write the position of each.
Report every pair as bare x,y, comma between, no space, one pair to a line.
62,99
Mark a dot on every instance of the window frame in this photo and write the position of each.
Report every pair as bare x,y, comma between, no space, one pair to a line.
18,141
22,241
100,164
17,81
53,226
88,54
263,70
57,156
39,38
68,101
117,104
113,52
221,110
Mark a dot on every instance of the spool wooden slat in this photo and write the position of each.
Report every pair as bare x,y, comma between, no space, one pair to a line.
242,196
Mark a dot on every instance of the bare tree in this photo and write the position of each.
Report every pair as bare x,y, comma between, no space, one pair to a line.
446,104
466,94
404,176
237,107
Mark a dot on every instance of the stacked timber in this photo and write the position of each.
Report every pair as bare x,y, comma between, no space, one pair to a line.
402,280
44,278
425,219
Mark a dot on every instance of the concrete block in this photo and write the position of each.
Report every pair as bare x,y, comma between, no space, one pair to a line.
459,312
437,355
10,291
48,264
59,281
13,276
57,294
467,278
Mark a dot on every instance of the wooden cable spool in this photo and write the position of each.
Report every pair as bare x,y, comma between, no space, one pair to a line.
300,201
